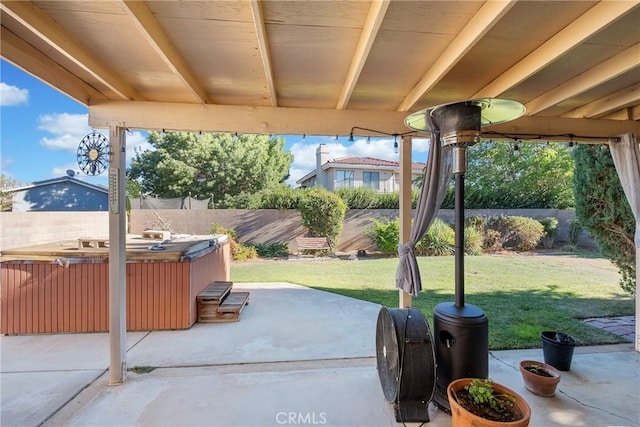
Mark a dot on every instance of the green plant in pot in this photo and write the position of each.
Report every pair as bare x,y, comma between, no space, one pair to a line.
539,378
483,403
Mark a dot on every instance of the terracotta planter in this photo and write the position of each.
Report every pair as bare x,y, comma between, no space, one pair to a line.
463,418
539,384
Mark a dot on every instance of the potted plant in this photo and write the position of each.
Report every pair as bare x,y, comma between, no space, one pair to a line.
539,378
557,348
483,403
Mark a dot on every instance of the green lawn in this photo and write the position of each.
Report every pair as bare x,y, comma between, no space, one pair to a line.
521,294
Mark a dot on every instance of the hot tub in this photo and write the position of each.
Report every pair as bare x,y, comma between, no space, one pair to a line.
64,287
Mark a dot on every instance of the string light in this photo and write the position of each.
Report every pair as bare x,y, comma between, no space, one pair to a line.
394,135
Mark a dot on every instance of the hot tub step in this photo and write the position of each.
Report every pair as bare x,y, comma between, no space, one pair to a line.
215,292
229,310
210,299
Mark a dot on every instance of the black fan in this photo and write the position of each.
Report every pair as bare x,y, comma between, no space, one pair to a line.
406,362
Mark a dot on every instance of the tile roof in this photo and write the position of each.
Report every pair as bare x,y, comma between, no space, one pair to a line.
370,161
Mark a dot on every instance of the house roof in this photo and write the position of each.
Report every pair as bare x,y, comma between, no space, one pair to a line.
324,67
63,179
369,163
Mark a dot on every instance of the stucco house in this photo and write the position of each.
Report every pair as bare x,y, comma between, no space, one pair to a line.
380,175
60,194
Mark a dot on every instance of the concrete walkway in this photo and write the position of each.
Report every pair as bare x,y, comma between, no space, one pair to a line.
298,356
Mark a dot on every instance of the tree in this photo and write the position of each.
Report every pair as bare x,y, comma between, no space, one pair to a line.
603,209
322,214
536,175
134,189
210,164
6,197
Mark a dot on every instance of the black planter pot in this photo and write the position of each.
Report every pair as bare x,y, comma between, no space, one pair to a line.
558,349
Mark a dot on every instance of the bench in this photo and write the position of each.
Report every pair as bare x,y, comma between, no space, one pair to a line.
312,244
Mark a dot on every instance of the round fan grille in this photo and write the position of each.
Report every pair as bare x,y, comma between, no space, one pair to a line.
405,355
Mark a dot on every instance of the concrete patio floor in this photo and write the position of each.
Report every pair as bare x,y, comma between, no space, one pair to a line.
297,357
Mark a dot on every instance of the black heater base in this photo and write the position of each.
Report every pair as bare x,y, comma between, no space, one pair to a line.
461,337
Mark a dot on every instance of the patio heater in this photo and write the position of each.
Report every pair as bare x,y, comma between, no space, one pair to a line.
461,331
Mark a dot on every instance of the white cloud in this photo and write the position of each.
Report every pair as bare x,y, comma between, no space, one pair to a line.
13,95
68,130
419,145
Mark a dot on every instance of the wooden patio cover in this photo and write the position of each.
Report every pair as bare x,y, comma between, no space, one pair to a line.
323,68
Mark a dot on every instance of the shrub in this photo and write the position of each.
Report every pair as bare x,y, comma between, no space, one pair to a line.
439,240
385,234
479,222
322,214
241,201
242,252
280,198
473,240
550,226
517,232
239,251
575,228
271,250
389,201
492,240
603,209
221,229
359,198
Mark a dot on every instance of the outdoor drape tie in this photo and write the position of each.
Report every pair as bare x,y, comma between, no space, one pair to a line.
406,249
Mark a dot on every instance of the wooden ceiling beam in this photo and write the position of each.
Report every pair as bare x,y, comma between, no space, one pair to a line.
620,100
488,15
377,11
242,119
43,27
629,113
601,73
23,55
157,38
592,21
536,128
309,121
263,44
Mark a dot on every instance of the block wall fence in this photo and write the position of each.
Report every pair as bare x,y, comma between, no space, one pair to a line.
19,229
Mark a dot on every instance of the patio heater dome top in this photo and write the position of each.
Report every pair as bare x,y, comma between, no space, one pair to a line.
492,111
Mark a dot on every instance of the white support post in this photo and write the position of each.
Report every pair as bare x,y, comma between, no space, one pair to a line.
117,256
405,204
637,243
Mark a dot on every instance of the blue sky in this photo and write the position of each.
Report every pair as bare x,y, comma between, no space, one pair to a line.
40,129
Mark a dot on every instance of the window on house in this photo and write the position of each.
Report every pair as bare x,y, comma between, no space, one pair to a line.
371,180
344,179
